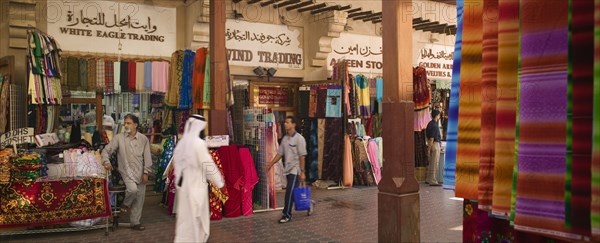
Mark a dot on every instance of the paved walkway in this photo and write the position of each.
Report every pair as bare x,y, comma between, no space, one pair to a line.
348,215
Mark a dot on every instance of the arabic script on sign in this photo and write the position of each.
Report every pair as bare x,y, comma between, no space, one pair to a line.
358,51
281,39
101,20
427,53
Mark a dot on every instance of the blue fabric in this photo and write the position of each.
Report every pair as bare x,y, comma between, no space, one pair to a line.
185,98
334,102
452,136
314,149
379,89
147,76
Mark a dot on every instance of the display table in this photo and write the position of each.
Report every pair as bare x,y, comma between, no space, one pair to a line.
53,202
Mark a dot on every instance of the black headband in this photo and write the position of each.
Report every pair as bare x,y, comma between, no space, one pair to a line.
199,117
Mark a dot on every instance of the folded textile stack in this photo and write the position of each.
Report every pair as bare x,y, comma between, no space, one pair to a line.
5,166
26,167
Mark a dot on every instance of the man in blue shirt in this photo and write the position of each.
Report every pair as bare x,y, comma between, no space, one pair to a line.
434,138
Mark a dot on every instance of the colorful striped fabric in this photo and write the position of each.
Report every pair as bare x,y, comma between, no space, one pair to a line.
595,205
452,133
542,116
469,115
581,70
506,102
489,69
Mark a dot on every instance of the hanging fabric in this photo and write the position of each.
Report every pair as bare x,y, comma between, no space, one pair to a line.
147,77
206,91
198,77
333,107
139,77
595,205
312,108
362,83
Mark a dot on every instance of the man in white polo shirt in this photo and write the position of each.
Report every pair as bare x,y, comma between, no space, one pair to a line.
293,149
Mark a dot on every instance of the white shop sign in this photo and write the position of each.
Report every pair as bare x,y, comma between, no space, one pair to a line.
265,45
364,53
17,136
437,60
98,26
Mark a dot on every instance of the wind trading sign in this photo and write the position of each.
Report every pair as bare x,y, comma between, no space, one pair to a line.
18,136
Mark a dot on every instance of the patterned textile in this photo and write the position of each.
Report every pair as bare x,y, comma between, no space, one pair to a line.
421,155
479,227
207,83
52,202
172,95
312,108
452,129
595,205
363,173
543,118
334,102
216,197
185,98
92,74
109,77
100,75
4,107
165,158
373,151
362,83
321,101
352,96
508,77
321,145
83,73
422,93
581,66
333,150
488,105
311,166
198,77
469,114
313,153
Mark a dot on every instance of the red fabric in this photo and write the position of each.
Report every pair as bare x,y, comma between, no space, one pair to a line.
232,168
249,181
53,202
131,76
216,206
198,77
171,189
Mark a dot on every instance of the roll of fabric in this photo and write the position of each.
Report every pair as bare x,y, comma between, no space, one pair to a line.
321,145
489,69
595,205
334,150
506,105
542,119
581,66
452,130
469,115
348,168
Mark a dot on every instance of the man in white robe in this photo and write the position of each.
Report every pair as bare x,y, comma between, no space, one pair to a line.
193,167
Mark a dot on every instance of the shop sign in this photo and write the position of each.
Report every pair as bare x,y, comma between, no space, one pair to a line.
437,60
364,53
265,45
17,136
112,27
273,95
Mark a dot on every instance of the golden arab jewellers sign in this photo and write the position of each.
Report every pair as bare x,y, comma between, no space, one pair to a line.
99,26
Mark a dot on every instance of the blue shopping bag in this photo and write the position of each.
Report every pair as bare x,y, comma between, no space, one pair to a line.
302,198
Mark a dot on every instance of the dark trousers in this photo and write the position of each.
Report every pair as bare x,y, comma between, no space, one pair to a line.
292,182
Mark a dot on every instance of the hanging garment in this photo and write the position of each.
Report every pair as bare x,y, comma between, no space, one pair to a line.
321,101
63,72
333,107
100,75
185,99
580,86
131,76
313,153
321,145
198,77
193,167
595,205
234,173
488,106
92,74
139,77
421,155
124,77
467,155
157,75
217,197
379,92
250,179
542,120
508,78
147,77
303,102
206,91
347,167
422,118
117,77
364,98
333,154
422,93
312,108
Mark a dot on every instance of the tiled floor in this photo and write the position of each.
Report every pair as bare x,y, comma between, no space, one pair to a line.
348,215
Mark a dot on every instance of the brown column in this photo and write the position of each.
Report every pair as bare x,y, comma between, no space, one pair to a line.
398,198
218,73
